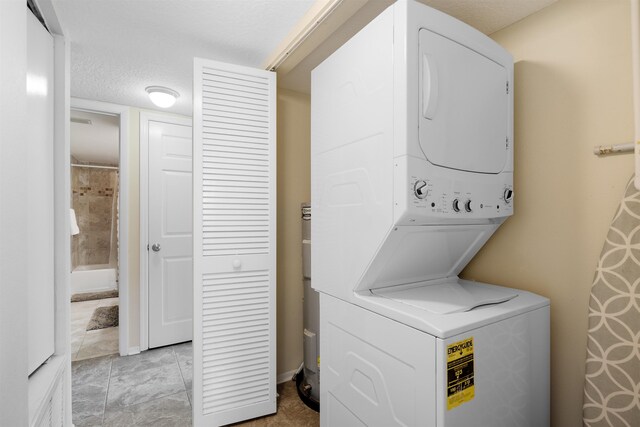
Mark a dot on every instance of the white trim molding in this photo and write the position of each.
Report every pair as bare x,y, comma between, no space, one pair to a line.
62,202
286,376
123,236
317,24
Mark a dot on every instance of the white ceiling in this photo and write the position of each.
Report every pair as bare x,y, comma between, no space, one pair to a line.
97,142
119,47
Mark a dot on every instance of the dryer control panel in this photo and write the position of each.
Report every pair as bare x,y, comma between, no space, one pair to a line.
435,193
427,194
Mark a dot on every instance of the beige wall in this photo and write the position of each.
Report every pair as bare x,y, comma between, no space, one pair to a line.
134,227
294,184
573,90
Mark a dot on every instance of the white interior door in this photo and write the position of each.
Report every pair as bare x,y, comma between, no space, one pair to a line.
39,233
234,243
170,262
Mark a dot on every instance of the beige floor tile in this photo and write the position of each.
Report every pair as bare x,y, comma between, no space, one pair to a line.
291,411
75,347
100,342
83,310
86,344
78,327
107,302
81,316
84,305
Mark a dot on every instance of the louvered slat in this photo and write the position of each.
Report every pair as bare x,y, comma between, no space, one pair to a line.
223,116
238,80
232,150
233,83
218,316
235,176
224,107
234,339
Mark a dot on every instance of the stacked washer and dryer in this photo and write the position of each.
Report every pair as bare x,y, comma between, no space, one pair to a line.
412,172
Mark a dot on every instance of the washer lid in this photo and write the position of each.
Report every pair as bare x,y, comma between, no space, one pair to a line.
449,297
464,106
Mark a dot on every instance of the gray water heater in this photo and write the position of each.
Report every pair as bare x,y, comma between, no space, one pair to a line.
308,379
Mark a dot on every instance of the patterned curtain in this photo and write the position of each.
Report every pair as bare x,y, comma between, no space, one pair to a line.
612,382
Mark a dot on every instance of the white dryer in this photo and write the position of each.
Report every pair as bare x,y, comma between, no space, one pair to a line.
412,172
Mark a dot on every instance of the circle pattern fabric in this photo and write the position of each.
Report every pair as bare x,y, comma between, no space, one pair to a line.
612,382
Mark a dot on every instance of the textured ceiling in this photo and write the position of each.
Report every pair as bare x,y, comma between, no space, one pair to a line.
488,16
120,47
97,142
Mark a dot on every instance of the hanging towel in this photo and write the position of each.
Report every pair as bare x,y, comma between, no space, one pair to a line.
74,224
612,378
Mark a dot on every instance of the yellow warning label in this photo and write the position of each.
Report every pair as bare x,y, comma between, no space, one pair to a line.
460,384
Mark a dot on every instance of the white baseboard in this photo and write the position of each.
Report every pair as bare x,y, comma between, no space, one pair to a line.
285,376
132,351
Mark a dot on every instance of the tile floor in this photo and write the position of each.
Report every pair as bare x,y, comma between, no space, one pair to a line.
153,388
88,344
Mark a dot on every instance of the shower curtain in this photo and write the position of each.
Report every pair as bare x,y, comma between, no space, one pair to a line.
612,381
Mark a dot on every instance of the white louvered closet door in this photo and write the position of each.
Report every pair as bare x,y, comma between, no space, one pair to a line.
234,236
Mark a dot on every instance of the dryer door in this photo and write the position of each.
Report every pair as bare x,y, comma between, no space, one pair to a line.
464,107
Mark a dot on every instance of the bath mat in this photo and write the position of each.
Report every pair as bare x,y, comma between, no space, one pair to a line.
612,376
88,296
103,317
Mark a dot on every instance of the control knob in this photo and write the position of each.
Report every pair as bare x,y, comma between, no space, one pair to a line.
456,205
467,206
508,195
420,189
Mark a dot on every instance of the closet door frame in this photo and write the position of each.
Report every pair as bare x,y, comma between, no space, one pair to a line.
123,235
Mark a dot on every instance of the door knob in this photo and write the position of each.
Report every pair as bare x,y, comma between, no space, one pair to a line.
155,247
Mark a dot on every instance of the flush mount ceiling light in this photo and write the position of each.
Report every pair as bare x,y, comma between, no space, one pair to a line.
162,97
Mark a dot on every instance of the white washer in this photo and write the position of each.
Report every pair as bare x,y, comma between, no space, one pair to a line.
412,172
379,371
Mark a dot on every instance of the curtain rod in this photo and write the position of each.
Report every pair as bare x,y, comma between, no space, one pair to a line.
602,150
94,166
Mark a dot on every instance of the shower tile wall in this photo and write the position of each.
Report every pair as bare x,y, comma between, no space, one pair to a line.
94,198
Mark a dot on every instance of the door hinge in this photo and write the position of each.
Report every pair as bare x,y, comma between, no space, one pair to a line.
147,247
507,88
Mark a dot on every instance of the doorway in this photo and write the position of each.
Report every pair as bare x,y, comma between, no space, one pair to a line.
105,162
95,183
